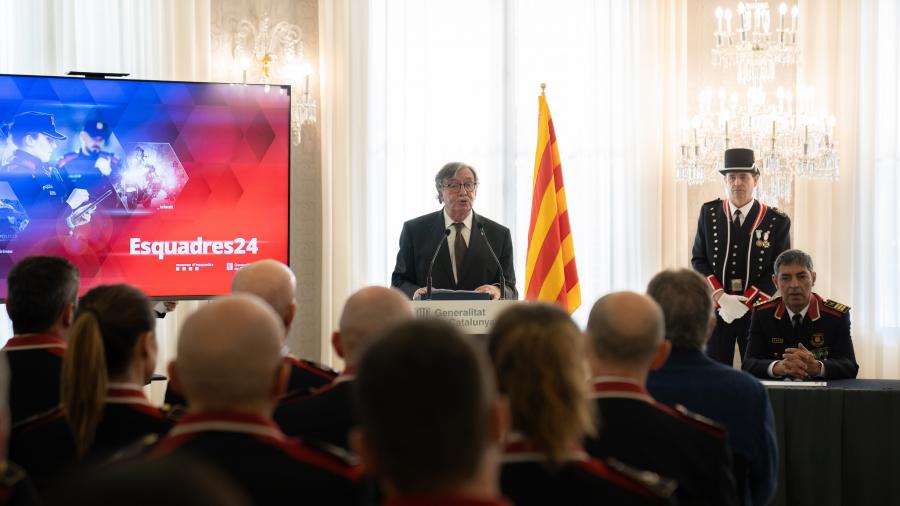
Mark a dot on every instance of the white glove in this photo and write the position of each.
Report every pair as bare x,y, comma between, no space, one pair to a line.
732,307
103,165
77,197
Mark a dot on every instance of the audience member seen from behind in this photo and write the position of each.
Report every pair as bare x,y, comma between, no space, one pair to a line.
111,356
431,422
537,353
230,367
275,283
626,334
42,291
728,396
327,416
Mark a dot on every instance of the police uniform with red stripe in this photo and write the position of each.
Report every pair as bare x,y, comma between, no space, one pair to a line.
272,468
45,446
325,416
581,480
35,364
305,377
646,434
738,258
824,331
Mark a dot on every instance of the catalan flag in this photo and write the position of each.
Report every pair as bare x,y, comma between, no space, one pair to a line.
550,273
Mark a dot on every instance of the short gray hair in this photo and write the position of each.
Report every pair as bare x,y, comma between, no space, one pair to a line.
448,171
794,257
686,301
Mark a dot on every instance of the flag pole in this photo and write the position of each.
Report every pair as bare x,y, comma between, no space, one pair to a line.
543,87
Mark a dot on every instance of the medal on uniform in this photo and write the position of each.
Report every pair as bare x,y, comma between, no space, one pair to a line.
737,285
759,243
766,243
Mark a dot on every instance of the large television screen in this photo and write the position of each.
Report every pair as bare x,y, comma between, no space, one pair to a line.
169,186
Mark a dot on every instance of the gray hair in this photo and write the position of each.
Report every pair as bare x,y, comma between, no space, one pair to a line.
448,171
794,257
686,301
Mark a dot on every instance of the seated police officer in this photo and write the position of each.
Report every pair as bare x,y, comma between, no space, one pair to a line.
799,335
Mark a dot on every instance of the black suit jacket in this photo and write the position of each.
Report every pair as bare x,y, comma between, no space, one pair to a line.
825,332
419,239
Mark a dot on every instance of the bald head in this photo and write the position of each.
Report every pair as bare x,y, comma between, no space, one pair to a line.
626,328
366,313
229,354
273,282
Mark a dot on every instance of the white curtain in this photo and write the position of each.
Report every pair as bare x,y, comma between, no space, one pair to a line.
150,39
459,81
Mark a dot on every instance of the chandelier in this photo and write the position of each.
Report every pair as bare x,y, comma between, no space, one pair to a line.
755,46
789,134
263,53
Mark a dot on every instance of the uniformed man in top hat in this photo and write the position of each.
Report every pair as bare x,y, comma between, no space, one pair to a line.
91,167
45,194
735,248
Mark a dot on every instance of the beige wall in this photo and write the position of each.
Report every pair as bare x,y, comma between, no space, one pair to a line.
306,168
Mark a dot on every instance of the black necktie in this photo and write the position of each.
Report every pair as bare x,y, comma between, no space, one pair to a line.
798,320
459,248
737,218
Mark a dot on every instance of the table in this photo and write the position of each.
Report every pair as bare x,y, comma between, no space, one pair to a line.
838,445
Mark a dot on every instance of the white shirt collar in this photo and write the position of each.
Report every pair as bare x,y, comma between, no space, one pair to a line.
745,211
448,221
802,312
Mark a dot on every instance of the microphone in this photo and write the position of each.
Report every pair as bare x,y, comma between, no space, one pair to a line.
428,282
497,260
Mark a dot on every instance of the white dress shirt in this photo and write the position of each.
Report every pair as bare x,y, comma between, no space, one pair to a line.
791,314
744,211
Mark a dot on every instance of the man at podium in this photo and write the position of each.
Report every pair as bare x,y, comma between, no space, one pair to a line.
464,251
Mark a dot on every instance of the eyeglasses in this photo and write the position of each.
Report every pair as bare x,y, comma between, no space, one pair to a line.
454,187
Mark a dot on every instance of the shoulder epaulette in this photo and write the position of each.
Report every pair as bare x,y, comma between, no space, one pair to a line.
335,452
712,202
768,303
654,483
135,450
837,306
314,367
779,212
172,412
708,425
67,158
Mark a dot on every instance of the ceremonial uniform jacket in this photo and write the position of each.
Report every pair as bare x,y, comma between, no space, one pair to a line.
272,468
581,480
740,259
734,399
825,331
46,447
39,186
35,363
420,238
325,416
675,443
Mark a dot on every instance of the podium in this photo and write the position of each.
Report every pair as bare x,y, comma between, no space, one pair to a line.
469,316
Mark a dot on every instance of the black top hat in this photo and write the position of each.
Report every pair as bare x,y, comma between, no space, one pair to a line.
29,122
739,160
96,127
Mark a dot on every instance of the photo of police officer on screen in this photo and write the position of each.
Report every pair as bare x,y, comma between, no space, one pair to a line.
737,241
53,204
92,168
